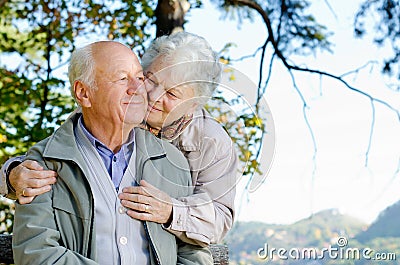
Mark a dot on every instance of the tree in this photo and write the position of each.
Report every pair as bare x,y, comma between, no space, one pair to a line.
38,36
387,28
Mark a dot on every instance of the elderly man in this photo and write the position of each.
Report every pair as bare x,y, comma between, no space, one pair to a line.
96,155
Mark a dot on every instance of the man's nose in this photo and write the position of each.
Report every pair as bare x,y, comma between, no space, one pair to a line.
136,87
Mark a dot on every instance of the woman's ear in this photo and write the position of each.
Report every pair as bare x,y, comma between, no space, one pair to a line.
193,108
82,94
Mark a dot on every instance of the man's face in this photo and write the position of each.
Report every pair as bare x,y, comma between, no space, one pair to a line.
120,97
168,101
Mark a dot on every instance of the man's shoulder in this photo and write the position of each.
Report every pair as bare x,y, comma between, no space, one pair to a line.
155,148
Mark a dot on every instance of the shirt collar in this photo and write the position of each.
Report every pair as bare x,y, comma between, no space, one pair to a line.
126,147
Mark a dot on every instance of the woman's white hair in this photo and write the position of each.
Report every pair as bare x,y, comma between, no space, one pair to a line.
193,60
81,67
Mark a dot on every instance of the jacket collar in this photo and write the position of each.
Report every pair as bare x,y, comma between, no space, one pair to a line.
62,145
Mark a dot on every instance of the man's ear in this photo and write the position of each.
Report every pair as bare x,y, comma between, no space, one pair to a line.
82,94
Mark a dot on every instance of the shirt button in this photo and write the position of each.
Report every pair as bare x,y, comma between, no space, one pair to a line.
123,240
179,221
121,210
115,159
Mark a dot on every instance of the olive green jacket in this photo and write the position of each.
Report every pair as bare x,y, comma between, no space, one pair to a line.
58,226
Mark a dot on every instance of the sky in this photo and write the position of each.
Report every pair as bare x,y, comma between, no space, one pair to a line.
340,119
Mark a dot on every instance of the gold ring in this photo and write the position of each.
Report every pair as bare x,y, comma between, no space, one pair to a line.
23,192
146,208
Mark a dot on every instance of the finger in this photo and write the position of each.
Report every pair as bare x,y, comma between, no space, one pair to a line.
146,184
40,182
135,198
33,165
30,192
38,174
136,206
24,200
136,190
141,216
149,189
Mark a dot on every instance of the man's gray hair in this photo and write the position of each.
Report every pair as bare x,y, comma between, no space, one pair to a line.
81,67
192,59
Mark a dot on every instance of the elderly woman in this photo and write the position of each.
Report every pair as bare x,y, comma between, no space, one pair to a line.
182,71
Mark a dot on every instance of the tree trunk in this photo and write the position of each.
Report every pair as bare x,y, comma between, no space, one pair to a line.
170,16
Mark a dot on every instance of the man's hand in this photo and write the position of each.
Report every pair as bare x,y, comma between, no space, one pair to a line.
29,180
147,203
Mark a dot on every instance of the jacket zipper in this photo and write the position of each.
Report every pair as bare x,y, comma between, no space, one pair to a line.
146,229
151,243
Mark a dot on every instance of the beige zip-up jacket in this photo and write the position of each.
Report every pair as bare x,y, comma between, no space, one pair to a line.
214,168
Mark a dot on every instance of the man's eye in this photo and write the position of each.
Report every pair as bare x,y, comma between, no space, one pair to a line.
123,78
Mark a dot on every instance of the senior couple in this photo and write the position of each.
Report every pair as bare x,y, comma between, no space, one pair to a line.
139,173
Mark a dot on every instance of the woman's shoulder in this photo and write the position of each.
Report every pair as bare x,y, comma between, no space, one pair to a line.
204,126
213,128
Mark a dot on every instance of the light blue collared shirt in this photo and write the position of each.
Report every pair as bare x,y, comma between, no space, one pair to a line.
116,164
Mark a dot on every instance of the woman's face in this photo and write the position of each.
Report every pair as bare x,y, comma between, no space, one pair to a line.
168,101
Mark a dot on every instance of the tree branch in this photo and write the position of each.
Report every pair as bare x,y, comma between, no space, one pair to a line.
283,59
291,67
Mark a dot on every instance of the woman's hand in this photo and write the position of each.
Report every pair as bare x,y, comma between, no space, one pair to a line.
147,203
29,179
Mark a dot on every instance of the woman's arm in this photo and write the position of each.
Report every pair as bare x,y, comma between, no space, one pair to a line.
207,215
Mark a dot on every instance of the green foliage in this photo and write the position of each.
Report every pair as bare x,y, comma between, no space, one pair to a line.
386,28
6,215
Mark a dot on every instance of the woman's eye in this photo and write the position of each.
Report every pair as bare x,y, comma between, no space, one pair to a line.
141,78
169,93
152,82
149,76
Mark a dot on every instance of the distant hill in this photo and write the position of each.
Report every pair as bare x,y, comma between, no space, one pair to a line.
386,225
321,229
